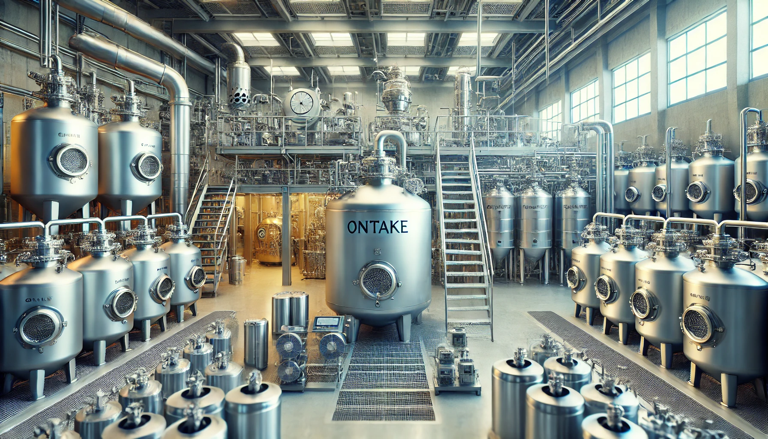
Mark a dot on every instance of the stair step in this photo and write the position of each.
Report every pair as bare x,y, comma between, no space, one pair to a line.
464,273
450,251
480,285
468,308
459,220
457,184
460,230
457,193
458,210
462,241
467,297
483,321
453,263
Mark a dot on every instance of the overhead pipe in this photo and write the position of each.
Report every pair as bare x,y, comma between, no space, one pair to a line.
400,142
109,14
668,140
609,160
600,165
742,161
51,227
122,58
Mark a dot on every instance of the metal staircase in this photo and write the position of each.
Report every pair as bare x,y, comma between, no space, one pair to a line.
467,273
208,218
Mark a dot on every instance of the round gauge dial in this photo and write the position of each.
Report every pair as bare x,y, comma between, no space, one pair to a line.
301,102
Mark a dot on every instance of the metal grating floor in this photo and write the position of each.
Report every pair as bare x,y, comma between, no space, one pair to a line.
386,380
649,386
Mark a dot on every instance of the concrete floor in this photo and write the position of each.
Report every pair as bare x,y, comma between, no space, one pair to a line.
457,415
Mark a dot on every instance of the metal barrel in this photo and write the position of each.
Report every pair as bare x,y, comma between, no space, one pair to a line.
236,270
257,343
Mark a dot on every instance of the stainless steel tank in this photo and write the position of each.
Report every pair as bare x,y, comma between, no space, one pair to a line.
172,372
679,206
97,415
462,101
130,164
621,181
256,336
573,209
269,241
289,308
199,353
535,222
151,281
598,396
545,348
500,210
139,388
511,380
53,152
617,281
374,271
583,274
553,411
42,307
711,179
238,77
726,333
108,298
642,179
657,301
611,425
209,399
253,410
575,371
223,373
186,269
137,424
757,173
196,424
396,96
220,337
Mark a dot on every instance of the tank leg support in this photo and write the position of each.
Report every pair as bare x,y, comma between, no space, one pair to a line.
607,325
179,313
70,371
666,355
759,384
562,267
193,308
145,325
125,342
695,378
729,386
643,347
163,322
8,380
99,352
37,384
419,319
404,328
521,257
623,333
577,310
590,315
546,267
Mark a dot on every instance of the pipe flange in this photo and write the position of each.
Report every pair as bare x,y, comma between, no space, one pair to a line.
147,167
121,303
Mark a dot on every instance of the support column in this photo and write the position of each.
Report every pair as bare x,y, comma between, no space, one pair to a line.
286,235
738,69
248,229
604,81
659,74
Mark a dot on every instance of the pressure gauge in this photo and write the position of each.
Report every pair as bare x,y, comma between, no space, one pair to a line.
301,102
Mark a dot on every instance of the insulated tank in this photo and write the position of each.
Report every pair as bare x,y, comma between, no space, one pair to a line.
151,282
500,217
511,380
710,179
186,269
129,158
583,274
141,389
53,152
108,298
535,222
679,180
379,249
621,181
657,302
572,213
642,179
553,411
223,373
726,332
173,371
42,308
757,173
617,281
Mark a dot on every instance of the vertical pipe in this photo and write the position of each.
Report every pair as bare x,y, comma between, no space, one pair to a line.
546,34
743,162
45,23
668,139
3,205
286,236
56,29
479,33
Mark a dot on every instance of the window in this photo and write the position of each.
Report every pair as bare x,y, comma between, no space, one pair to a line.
470,39
282,71
584,103
697,60
551,120
325,39
632,89
344,71
406,39
759,41
257,39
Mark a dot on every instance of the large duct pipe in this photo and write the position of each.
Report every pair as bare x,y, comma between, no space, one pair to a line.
238,77
109,14
399,140
609,151
130,61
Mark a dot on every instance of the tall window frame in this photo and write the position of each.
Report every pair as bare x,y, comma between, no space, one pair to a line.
758,39
585,102
552,120
632,89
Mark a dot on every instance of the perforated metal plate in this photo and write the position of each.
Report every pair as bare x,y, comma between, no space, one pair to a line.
604,289
72,161
38,329
659,193
377,280
289,371
696,192
149,167
640,305
697,324
163,288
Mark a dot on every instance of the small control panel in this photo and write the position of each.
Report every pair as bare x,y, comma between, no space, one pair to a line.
328,324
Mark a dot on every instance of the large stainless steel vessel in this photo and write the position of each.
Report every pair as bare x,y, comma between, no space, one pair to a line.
186,269
679,180
611,425
553,411
511,380
209,399
500,210
621,181
711,179
642,179
253,410
129,158
617,281
583,274
108,298
576,372
97,415
139,388
535,222
152,284
396,96
268,244
572,210
657,302
726,332
53,151
42,309
379,248
172,372
757,173
137,423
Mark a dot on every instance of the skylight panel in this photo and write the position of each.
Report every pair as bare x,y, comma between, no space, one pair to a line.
282,71
332,39
415,39
263,39
343,70
470,39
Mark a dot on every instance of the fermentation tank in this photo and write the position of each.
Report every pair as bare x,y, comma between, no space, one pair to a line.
379,247
724,318
583,274
500,217
139,388
53,152
598,396
621,181
209,399
617,281
129,158
108,298
757,173
576,372
679,206
711,179
657,301
535,222
173,371
572,214
642,179
269,241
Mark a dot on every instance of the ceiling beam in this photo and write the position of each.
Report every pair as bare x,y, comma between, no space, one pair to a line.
346,25
384,61
199,10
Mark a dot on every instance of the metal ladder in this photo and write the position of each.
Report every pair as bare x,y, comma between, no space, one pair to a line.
467,273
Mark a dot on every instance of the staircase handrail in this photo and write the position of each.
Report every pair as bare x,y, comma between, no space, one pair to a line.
485,244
